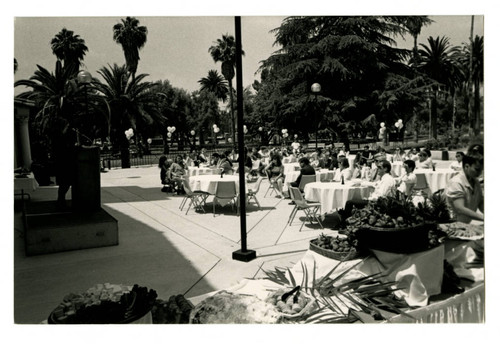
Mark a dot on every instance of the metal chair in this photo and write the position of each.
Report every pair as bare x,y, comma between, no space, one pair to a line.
197,198
225,191
309,208
421,187
272,184
251,193
306,179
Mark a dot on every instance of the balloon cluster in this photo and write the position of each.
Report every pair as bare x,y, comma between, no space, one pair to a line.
284,132
399,124
129,133
216,128
170,131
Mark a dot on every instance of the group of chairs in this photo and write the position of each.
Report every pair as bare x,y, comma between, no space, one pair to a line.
226,192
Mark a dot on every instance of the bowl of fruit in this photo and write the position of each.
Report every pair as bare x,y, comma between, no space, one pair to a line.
338,248
393,225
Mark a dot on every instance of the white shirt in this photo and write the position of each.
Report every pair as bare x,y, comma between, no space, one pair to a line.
457,166
408,181
384,187
427,163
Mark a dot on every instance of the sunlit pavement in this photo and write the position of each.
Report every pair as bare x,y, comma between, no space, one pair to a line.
159,245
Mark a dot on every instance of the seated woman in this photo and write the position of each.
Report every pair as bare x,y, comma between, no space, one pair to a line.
224,164
178,171
424,160
413,154
275,171
398,155
165,177
343,171
457,164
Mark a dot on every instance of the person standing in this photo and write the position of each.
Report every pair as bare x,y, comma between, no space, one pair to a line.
464,192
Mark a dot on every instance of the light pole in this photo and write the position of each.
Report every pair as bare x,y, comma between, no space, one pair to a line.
316,88
83,78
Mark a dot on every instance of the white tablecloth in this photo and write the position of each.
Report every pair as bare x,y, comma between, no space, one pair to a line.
291,167
334,195
208,183
321,176
437,179
198,171
26,185
289,159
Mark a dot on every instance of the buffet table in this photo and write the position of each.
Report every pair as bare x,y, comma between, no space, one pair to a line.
438,179
334,195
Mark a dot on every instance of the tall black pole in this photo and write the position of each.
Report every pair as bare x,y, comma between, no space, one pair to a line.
243,254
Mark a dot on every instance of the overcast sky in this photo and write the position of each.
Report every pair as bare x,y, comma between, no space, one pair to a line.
177,47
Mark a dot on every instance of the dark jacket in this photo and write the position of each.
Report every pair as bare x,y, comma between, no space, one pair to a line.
304,171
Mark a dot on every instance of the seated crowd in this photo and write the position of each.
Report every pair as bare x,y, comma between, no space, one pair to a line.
463,192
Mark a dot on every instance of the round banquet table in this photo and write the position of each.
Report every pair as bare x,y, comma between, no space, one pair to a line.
334,195
322,175
208,183
198,171
293,166
438,179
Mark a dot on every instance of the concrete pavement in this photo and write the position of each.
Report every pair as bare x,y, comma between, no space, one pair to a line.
159,246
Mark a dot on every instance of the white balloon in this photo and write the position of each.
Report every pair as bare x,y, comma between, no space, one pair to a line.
382,124
169,134
169,129
400,120
192,132
214,126
150,141
173,129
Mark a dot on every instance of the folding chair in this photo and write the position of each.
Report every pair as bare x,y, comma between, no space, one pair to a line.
251,193
309,208
225,191
421,187
306,179
196,198
272,185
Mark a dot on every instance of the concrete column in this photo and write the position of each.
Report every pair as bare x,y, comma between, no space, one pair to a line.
22,139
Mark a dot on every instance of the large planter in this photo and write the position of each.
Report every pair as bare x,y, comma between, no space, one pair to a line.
396,240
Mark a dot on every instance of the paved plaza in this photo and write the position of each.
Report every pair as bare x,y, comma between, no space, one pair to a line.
159,245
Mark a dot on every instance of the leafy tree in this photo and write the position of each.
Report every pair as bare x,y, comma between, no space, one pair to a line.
70,49
132,38
350,57
205,114
132,103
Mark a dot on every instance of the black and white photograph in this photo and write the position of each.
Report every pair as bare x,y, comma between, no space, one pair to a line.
285,175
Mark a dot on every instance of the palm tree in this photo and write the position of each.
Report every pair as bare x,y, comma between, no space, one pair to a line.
214,83
437,62
474,62
224,51
132,103
414,25
132,38
69,48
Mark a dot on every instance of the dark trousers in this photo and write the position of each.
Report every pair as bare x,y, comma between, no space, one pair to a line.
349,206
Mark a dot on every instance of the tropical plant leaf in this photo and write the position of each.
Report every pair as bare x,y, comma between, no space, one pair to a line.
292,279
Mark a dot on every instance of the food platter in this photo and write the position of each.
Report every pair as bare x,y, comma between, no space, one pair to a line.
462,231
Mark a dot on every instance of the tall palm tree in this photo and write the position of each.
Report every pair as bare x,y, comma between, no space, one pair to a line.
224,51
215,83
474,62
69,48
132,38
414,26
132,103
437,62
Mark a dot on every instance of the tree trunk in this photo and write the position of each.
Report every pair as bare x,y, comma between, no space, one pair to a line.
125,153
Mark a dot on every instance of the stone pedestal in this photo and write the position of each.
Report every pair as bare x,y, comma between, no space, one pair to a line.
86,189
